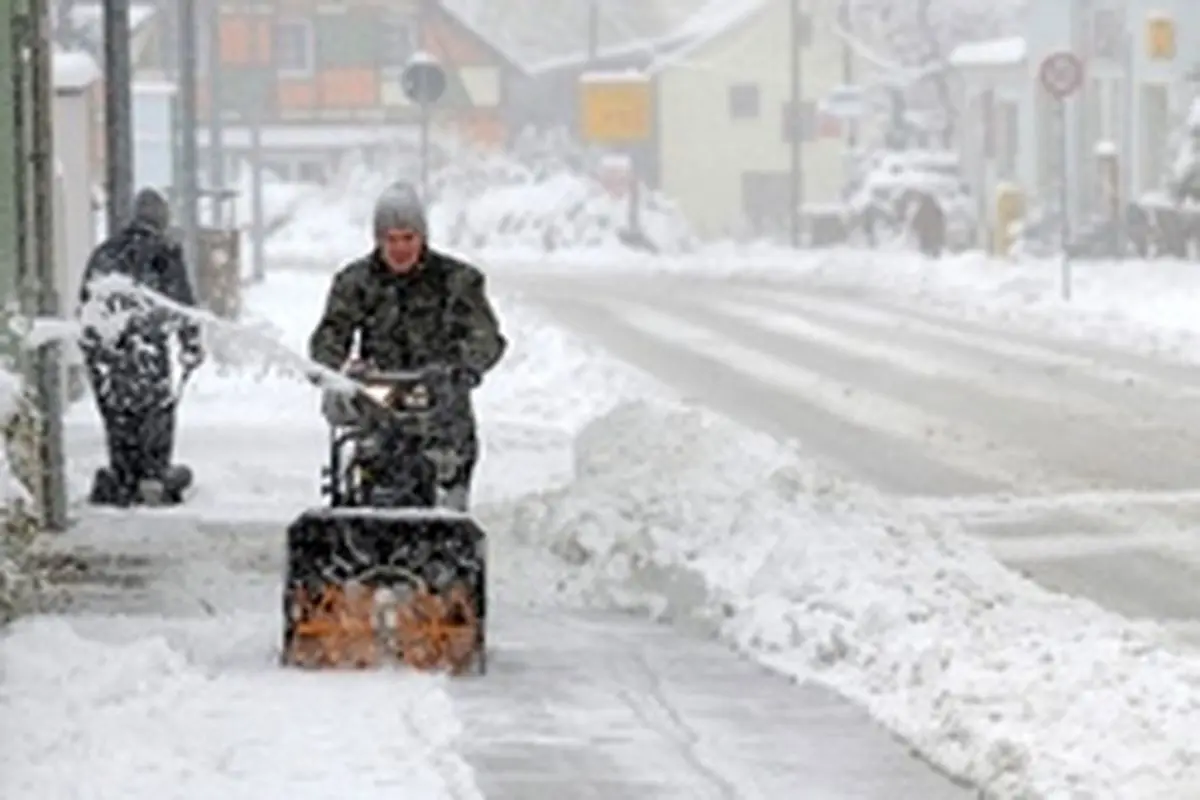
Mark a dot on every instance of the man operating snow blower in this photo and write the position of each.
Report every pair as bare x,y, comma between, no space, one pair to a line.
411,308
390,570
126,346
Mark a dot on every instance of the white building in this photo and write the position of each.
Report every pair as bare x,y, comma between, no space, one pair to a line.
725,124
1131,100
77,144
76,154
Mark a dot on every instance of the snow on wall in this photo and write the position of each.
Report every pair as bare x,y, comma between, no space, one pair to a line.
14,579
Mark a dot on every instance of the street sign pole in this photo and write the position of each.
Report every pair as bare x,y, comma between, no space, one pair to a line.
616,111
1063,199
424,83
1061,75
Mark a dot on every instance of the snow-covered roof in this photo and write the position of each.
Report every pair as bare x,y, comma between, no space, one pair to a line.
614,76
314,137
1005,52
543,34
91,15
716,18
74,70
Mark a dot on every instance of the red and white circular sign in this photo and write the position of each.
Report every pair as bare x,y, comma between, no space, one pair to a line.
1061,74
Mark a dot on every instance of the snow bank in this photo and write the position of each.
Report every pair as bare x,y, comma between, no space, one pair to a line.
686,516
527,204
15,531
182,727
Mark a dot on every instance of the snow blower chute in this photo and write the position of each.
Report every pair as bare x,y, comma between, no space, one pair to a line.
383,574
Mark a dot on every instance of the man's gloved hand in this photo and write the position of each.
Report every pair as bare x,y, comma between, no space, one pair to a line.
191,357
466,378
356,368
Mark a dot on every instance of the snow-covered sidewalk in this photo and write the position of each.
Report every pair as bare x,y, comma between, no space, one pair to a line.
167,684
144,708
172,689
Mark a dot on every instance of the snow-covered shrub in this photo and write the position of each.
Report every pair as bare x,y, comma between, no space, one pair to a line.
544,195
18,472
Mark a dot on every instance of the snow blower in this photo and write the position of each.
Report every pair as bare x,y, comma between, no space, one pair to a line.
384,574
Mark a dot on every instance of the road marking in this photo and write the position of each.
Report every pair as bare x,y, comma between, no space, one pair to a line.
960,446
1011,506
1067,546
992,343
909,359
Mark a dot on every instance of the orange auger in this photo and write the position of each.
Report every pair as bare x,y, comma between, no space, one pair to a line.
349,627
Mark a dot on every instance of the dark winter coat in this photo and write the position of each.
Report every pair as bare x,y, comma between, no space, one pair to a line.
439,314
929,223
128,350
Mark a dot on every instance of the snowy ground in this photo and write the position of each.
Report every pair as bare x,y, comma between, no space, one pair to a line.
182,622
192,704
685,515
186,685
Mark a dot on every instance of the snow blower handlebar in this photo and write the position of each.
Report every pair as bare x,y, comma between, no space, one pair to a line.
404,394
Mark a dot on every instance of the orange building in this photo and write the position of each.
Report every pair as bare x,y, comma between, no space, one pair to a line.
320,77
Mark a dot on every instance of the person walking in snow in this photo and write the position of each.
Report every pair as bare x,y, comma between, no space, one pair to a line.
126,346
414,307
928,223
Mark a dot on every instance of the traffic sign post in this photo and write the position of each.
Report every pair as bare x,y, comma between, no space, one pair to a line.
1061,76
424,82
616,109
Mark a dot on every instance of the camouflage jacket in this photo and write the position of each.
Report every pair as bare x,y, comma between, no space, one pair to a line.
440,314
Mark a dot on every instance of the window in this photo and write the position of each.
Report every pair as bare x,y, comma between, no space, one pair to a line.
310,171
1008,140
1108,34
766,198
804,123
399,39
1155,118
804,30
743,101
294,46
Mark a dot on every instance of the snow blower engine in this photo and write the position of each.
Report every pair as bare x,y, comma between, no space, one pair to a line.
384,574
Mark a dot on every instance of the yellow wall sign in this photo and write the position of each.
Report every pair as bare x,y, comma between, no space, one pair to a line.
1160,37
616,108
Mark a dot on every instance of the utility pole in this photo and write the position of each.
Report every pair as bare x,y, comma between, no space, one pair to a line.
118,113
216,145
426,111
189,166
593,38
258,224
11,172
47,360
796,184
848,76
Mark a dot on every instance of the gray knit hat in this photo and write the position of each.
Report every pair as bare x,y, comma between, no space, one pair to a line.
150,208
400,207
